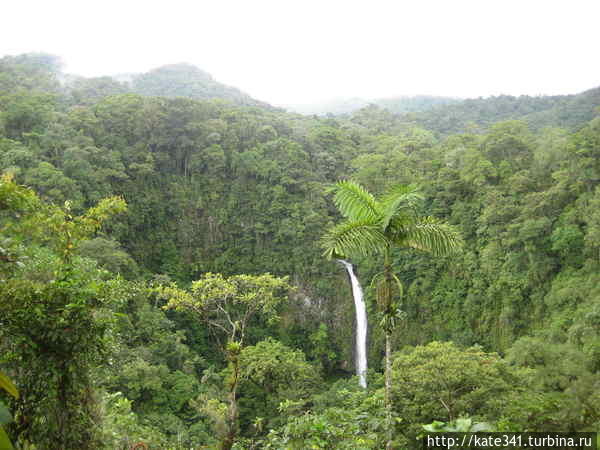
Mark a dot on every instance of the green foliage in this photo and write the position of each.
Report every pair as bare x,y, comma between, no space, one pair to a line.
335,428
460,425
184,80
31,71
5,416
25,113
228,304
396,105
110,256
564,111
375,226
8,386
215,187
322,350
565,387
345,416
55,315
271,373
153,375
87,91
441,382
122,429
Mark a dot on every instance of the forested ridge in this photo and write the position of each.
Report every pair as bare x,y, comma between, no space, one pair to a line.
397,105
163,277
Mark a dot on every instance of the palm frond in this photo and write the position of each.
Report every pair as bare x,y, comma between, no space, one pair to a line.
403,200
431,235
353,238
401,190
355,202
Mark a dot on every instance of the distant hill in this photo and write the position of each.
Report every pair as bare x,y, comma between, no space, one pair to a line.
34,71
398,105
43,72
567,111
86,91
186,80
572,112
335,106
442,115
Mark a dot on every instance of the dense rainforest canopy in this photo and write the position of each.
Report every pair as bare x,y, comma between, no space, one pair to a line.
140,215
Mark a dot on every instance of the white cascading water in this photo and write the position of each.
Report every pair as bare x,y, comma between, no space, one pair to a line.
361,325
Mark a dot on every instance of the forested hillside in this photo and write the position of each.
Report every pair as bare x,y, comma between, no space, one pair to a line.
163,277
397,105
43,72
471,115
185,80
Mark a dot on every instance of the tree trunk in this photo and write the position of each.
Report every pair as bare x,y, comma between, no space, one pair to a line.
229,439
388,388
232,410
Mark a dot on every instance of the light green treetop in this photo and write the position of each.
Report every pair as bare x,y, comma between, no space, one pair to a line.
228,304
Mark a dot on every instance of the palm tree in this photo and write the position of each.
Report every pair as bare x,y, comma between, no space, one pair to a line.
375,227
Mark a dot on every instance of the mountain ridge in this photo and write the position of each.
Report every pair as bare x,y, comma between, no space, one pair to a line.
439,114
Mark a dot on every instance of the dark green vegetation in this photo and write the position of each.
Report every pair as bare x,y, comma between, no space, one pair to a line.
505,331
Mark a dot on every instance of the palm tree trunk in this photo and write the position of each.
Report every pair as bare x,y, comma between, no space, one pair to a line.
388,388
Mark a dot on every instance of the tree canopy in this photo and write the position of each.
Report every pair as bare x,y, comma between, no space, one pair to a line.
123,195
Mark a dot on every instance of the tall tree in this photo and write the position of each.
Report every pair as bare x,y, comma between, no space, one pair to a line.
227,305
376,227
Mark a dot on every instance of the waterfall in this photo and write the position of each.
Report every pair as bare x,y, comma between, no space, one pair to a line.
361,325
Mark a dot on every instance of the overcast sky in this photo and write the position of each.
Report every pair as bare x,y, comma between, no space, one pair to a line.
301,51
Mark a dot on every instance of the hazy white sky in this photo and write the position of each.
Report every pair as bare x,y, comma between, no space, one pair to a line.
301,51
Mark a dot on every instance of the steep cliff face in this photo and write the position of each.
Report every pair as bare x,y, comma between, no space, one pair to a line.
320,318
